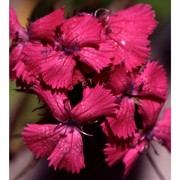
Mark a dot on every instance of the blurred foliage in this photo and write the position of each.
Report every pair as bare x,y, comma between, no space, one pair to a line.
41,9
21,106
162,8
89,5
44,7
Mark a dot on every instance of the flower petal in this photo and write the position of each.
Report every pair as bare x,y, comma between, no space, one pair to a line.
44,28
78,76
124,28
132,55
114,153
96,59
55,67
99,102
106,128
81,30
15,57
152,81
16,30
34,53
57,102
68,152
140,17
23,74
57,70
124,124
162,130
63,144
149,111
18,70
132,155
41,139
119,80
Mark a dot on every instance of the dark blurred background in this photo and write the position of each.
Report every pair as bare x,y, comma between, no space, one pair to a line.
22,163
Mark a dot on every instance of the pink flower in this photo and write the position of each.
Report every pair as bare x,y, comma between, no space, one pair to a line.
77,41
142,94
17,32
128,30
45,30
162,130
124,124
149,110
98,102
45,27
152,81
62,143
86,69
128,150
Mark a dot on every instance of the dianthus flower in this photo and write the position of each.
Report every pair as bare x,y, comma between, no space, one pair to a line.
105,55
52,54
62,143
41,29
77,40
128,150
140,96
128,31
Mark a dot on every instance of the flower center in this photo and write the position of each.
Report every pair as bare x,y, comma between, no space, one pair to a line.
71,49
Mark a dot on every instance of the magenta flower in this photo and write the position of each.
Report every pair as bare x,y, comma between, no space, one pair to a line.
45,27
143,94
42,29
19,35
128,150
91,68
162,130
77,41
124,125
128,31
17,32
62,143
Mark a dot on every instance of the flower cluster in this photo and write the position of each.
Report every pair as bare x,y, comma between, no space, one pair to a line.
106,55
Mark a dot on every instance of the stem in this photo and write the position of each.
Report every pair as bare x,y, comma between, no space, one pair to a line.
161,176
154,149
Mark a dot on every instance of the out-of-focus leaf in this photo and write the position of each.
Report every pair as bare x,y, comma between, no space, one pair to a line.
90,5
21,106
162,8
75,6
102,3
42,8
